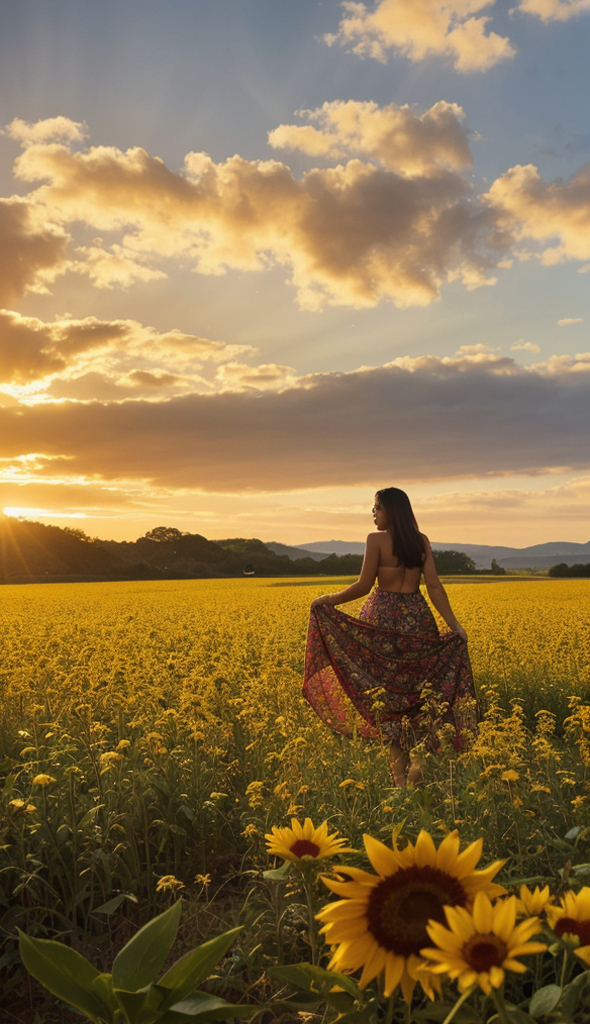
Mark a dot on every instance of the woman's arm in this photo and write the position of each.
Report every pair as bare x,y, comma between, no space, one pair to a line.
438,594
365,580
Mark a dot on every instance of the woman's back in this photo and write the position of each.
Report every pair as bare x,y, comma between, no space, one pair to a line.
393,575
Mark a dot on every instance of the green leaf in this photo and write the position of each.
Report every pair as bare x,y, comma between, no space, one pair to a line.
111,905
195,967
140,961
573,993
517,1016
64,973
277,874
202,1007
132,1003
103,987
314,979
544,1000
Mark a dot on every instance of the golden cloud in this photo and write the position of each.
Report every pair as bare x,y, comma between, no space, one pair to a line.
413,419
396,136
353,234
68,355
423,28
557,212
31,253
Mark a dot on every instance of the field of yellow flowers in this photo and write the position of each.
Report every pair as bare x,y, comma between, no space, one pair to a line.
153,733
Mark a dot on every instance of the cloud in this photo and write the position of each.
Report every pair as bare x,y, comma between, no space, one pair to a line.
427,418
568,320
557,212
31,253
69,355
398,137
49,130
524,346
267,375
423,28
554,10
353,234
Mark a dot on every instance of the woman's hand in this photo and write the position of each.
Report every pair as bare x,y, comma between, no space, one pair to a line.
326,599
459,629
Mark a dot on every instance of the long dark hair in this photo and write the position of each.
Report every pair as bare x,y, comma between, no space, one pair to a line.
408,543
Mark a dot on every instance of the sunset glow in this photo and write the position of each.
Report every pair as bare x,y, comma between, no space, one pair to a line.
239,302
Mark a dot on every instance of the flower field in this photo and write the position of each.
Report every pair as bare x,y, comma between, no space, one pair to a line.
154,732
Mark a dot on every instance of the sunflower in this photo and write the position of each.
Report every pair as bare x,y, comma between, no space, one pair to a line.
304,841
572,917
380,925
532,903
478,947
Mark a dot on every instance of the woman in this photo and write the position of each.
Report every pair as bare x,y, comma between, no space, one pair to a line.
367,675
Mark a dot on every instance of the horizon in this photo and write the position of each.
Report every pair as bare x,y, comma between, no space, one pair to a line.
301,545
261,260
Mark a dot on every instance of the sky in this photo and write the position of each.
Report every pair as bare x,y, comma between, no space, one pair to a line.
259,259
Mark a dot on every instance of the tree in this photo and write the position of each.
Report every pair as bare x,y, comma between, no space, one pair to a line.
453,563
498,570
161,534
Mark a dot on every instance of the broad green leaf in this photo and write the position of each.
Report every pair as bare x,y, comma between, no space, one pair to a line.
573,993
64,973
203,1007
135,1005
195,967
103,987
316,979
544,1000
517,1016
140,961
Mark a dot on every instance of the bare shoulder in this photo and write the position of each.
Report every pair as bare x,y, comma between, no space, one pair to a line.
427,547
374,538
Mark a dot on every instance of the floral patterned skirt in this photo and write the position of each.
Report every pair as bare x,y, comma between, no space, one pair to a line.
389,674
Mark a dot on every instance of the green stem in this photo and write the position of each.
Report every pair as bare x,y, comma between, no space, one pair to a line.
499,1004
390,1007
564,967
311,925
459,1003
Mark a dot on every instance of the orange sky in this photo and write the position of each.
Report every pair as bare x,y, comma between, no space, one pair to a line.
258,261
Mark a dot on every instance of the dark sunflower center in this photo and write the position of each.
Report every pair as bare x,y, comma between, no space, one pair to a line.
570,926
304,847
484,951
401,906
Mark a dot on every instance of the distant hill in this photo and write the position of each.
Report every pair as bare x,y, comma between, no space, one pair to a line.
537,556
34,553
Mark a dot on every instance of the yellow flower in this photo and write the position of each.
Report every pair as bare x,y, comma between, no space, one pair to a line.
572,917
530,903
304,841
510,776
203,880
478,947
43,780
380,925
168,883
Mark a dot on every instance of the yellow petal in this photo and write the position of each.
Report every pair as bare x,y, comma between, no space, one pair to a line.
394,967
425,852
382,858
446,855
467,860
482,913
496,976
504,918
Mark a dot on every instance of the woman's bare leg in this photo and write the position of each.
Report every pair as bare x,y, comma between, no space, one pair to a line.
398,760
414,773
